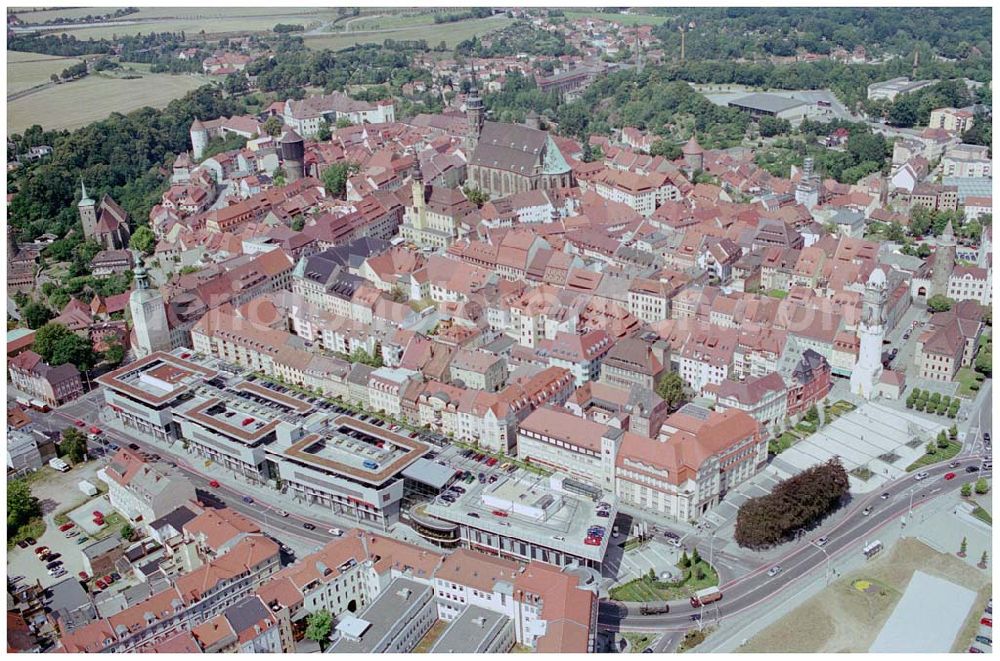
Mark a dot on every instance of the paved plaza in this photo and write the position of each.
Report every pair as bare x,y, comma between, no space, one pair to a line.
883,439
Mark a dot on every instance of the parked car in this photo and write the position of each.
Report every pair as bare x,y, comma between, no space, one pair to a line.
23,544
30,541
53,564
73,533
604,514
592,541
774,571
133,446
83,539
975,650
41,550
66,526
83,576
984,640
500,513
101,585
987,621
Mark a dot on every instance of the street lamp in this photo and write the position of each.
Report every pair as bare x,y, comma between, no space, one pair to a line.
825,553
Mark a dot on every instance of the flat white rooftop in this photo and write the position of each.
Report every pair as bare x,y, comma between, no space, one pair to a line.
928,617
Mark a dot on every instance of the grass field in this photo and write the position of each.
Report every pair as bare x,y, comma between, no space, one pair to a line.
645,589
450,33
392,19
621,19
192,20
76,104
842,618
27,70
942,454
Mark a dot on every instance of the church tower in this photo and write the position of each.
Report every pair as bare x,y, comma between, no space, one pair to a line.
88,212
807,191
871,332
475,113
944,262
149,316
419,193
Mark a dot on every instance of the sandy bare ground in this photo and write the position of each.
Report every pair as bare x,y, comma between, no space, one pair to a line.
842,618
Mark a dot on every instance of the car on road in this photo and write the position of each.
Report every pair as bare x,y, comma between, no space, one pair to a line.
921,475
955,464
885,496
80,423
308,526
336,532
282,513
134,447
248,500
214,484
986,436
473,515
866,511
987,621
949,476
774,571
822,541
972,469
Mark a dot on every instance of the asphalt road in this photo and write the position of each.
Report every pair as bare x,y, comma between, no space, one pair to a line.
848,536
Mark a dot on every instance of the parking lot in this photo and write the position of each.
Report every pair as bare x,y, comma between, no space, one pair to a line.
983,640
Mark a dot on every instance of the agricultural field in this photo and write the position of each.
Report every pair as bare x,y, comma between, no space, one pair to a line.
27,70
192,20
450,33
621,19
75,104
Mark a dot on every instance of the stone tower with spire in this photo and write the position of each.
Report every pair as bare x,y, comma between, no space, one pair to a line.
475,113
944,262
88,212
149,316
871,332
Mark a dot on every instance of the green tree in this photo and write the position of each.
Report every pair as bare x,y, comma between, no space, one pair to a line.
942,439
695,557
115,354
318,627
476,196
964,546
127,531
672,389
272,126
967,489
335,178
36,314
685,561
939,303
772,126
58,345
343,123
982,486
984,362
21,505
931,447
953,432
236,83
324,133
983,558
895,232
812,415
73,445
143,240
665,148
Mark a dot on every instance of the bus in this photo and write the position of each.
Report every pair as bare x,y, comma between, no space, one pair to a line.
706,596
39,405
872,549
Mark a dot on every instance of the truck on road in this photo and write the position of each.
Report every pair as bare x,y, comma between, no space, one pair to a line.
706,596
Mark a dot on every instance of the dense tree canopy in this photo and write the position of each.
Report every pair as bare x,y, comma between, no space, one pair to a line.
793,505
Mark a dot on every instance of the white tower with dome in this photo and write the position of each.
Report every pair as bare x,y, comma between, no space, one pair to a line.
149,316
871,332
